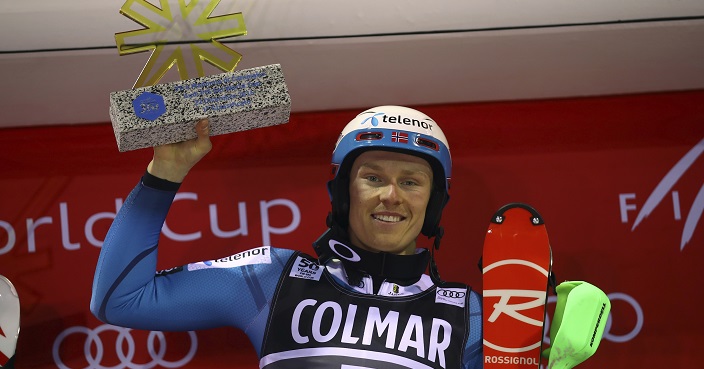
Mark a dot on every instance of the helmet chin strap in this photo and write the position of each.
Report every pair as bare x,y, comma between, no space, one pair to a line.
434,274
335,244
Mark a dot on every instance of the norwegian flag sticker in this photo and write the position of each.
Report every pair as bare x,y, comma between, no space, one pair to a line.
399,137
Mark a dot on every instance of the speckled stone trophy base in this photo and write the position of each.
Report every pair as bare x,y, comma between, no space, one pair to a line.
166,113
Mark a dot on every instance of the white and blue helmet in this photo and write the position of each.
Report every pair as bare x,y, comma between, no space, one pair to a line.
398,129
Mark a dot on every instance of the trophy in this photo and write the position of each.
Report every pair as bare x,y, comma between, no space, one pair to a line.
186,35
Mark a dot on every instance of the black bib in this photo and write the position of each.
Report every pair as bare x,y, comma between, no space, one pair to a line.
316,323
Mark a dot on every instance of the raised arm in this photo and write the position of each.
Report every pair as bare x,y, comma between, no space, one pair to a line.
127,291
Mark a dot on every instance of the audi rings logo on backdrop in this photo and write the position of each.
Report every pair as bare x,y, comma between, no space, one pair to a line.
608,336
124,336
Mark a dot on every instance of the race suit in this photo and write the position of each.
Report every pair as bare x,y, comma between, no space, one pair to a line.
295,312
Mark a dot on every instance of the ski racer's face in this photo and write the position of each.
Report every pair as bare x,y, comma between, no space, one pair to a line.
389,192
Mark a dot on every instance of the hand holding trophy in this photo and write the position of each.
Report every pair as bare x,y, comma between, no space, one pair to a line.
186,35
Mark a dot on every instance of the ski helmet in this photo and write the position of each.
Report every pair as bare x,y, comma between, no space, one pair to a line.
397,129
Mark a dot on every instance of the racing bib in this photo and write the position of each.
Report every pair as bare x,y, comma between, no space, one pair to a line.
316,323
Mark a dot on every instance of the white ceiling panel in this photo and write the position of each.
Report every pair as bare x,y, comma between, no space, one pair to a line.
58,60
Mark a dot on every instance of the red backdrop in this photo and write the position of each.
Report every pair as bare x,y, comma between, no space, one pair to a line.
600,171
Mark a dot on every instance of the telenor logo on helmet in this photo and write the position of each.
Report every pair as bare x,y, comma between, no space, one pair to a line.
397,120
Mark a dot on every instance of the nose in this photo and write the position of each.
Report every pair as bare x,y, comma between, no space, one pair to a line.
389,194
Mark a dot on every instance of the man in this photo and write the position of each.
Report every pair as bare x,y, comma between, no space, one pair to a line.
364,302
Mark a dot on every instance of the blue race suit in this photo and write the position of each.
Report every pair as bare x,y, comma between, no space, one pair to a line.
128,291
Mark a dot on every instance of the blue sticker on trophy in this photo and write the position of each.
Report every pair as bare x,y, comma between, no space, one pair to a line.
149,106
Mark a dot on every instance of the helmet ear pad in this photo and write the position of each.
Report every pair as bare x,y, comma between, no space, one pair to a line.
433,213
340,201
339,190
438,199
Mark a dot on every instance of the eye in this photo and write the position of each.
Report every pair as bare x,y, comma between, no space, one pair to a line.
372,178
409,183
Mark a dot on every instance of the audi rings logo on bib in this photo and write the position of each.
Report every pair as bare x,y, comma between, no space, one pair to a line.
451,296
111,347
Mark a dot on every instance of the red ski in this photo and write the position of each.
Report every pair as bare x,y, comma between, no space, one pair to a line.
516,265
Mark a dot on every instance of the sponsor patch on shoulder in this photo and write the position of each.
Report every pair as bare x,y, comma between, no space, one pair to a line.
306,269
451,296
259,255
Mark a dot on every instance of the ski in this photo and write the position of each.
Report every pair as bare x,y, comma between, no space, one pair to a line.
516,266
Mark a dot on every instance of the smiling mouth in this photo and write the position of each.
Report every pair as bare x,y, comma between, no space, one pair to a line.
388,218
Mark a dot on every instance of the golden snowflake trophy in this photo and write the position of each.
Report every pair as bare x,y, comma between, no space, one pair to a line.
185,35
